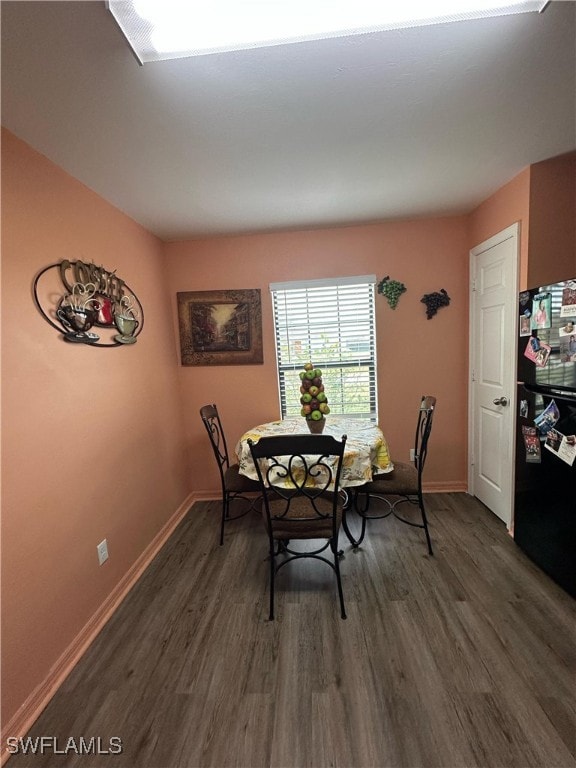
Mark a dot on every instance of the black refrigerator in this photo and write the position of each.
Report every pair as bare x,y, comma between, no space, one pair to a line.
545,472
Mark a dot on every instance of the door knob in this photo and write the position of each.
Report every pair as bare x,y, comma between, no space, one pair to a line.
500,401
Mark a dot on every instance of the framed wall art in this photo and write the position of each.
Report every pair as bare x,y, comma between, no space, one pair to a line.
220,327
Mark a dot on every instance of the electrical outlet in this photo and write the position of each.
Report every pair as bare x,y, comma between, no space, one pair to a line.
412,454
102,552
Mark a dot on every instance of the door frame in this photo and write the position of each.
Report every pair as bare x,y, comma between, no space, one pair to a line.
513,231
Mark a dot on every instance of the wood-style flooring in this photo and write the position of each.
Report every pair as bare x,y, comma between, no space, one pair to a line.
461,660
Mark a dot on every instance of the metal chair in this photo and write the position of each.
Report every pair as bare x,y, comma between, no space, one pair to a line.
404,482
234,485
299,478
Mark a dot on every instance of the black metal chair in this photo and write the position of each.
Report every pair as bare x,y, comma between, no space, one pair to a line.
234,485
299,477
404,482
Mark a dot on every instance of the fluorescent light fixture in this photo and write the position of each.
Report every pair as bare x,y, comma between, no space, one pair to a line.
173,29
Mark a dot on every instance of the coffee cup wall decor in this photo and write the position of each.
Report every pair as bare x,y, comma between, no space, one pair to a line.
77,299
126,320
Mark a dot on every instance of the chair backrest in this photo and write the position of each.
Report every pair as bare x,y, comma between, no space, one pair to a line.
299,468
211,419
423,429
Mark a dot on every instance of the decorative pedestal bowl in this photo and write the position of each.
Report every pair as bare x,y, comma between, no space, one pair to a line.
316,427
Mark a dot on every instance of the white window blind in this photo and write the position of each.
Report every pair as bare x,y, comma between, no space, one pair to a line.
330,323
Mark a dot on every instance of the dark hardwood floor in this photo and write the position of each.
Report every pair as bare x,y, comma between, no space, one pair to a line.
463,659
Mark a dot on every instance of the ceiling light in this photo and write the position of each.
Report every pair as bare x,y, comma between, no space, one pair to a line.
172,29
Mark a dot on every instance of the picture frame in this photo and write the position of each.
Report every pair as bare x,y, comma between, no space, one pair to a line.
221,327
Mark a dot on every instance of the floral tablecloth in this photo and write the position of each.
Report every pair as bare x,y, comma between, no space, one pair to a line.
366,453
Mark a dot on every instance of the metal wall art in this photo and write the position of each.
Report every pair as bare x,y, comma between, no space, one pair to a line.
220,327
78,299
391,290
435,301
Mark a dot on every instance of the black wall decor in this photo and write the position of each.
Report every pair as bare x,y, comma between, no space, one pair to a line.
435,301
78,299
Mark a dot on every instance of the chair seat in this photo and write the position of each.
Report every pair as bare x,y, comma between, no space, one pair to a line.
402,481
405,482
297,523
237,483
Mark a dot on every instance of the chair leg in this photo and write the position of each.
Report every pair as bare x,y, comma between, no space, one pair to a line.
361,513
272,574
334,548
224,516
347,531
425,523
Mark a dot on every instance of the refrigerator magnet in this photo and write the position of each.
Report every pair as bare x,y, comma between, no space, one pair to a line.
524,409
568,307
547,419
532,445
567,343
525,325
542,311
537,351
562,446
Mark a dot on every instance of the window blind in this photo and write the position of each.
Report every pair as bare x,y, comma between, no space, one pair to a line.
332,324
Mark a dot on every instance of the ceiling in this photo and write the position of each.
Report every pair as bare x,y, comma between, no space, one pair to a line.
401,124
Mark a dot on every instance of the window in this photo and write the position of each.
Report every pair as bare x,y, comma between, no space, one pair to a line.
330,323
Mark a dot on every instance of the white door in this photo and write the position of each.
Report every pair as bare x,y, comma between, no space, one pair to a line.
493,329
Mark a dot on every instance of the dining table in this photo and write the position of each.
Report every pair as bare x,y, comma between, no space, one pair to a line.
366,453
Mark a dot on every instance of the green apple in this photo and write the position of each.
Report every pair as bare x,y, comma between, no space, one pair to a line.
306,398
320,396
309,374
302,374
323,408
313,391
316,415
317,372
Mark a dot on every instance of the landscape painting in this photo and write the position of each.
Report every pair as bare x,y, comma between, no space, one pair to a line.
220,327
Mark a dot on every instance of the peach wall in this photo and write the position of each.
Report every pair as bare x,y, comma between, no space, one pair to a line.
511,203
108,443
552,221
415,355
91,438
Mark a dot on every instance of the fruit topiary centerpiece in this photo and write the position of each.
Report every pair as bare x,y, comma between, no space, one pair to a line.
313,398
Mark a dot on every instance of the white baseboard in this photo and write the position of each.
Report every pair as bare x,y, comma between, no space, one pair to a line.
37,701
445,487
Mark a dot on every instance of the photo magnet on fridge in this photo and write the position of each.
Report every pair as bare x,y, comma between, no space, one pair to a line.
532,445
567,342
563,446
542,311
568,307
524,325
537,351
547,419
